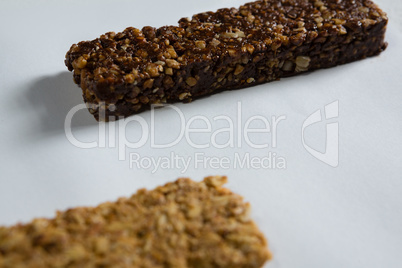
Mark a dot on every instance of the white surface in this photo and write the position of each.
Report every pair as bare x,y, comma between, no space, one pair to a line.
314,215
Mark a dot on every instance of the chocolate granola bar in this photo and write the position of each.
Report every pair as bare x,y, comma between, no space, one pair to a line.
125,73
184,224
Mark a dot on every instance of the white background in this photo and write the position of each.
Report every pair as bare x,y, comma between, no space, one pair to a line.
313,215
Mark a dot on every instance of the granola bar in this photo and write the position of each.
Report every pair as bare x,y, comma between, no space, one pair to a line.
125,73
184,224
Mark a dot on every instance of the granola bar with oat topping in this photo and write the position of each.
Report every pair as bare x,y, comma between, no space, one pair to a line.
184,224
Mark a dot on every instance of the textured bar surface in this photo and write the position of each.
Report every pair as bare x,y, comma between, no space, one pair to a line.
125,73
184,224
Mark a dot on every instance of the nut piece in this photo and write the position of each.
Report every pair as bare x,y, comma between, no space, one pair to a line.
239,69
148,84
215,42
129,78
191,81
153,70
144,99
250,48
173,64
288,66
232,52
200,44
236,34
184,95
79,63
169,71
342,30
318,3
302,63
215,181
339,22
172,52
364,9
250,80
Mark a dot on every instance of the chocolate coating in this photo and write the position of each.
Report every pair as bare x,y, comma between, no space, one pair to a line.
125,73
